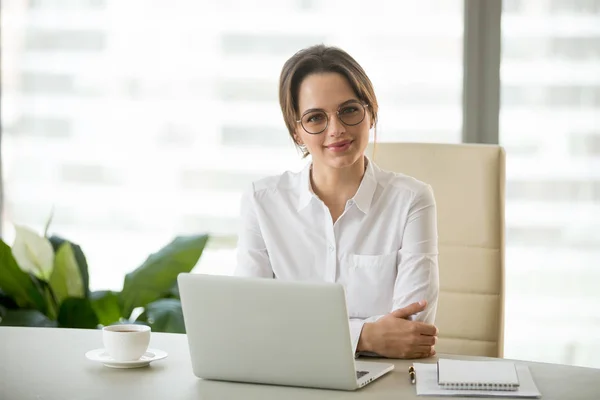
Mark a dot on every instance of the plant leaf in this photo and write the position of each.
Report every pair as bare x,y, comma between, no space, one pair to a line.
77,313
155,277
174,292
16,283
65,280
164,315
26,318
51,303
33,252
7,301
106,307
52,311
56,242
47,226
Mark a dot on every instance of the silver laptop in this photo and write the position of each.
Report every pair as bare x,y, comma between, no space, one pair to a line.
272,332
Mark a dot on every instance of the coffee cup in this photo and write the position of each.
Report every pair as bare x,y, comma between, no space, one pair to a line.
126,342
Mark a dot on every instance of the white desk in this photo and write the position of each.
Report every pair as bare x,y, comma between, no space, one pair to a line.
49,364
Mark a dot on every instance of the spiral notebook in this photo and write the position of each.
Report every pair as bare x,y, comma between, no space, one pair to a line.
427,379
480,375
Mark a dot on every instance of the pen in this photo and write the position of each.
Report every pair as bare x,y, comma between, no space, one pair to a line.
412,375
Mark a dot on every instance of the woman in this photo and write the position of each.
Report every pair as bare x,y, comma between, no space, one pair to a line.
342,219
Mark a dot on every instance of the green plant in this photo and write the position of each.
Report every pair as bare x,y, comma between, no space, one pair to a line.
44,281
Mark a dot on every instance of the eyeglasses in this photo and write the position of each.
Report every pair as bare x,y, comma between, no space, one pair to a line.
316,121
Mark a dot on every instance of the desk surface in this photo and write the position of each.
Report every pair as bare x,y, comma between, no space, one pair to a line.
49,364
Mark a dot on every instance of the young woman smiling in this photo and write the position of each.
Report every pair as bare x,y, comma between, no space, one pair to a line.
343,219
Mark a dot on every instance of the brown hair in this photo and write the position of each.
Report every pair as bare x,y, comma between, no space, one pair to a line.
320,59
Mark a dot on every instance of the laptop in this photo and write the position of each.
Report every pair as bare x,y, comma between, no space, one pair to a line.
271,331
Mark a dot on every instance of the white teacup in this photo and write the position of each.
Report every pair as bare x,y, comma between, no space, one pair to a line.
126,342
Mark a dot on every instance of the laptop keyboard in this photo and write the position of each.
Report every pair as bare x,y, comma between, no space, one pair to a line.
360,374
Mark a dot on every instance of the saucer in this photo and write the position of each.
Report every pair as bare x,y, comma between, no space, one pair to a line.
102,356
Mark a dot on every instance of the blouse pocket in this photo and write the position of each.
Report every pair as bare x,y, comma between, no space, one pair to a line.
370,285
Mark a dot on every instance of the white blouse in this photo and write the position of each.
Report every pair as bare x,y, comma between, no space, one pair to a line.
383,248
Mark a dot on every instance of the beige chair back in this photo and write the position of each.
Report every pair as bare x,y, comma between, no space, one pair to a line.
468,183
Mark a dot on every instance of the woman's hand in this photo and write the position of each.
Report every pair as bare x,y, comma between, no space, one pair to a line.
394,336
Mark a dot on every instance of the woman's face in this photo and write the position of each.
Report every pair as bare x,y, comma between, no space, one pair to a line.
339,145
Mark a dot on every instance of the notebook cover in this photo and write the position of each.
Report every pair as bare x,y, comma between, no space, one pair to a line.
485,375
426,385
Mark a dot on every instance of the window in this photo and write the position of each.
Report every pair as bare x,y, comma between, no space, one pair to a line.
550,127
137,121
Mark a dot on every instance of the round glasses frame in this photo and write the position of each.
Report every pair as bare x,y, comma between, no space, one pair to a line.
364,106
